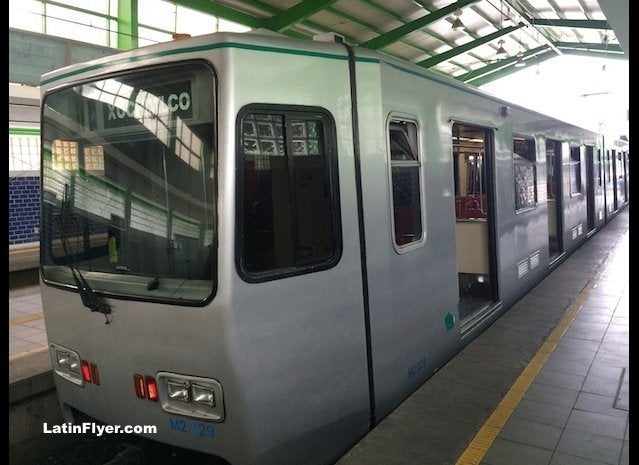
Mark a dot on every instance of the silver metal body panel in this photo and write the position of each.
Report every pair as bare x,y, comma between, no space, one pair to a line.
291,353
411,292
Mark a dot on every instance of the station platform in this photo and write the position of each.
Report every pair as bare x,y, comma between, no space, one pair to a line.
546,384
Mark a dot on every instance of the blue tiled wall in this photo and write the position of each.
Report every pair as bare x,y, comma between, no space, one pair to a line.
24,209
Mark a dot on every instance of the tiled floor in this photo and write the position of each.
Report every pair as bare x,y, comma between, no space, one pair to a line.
558,361
576,412
26,322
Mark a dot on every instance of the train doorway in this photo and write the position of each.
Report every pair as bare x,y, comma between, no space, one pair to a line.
474,227
554,196
590,187
615,181
620,177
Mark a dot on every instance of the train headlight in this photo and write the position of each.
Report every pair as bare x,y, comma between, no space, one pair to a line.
178,391
203,395
62,358
66,363
191,396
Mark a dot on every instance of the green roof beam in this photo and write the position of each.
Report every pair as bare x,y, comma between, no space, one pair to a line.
352,19
392,14
511,69
469,46
562,15
396,34
521,7
478,73
614,48
291,32
284,20
574,23
592,53
206,6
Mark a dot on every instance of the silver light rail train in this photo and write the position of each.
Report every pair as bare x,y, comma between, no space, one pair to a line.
262,246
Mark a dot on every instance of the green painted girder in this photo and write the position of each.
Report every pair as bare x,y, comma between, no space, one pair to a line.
613,48
505,62
562,15
226,13
574,23
511,69
223,12
593,53
319,27
284,20
522,7
399,18
469,46
396,34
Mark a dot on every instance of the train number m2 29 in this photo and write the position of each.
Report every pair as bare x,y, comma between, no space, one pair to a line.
196,428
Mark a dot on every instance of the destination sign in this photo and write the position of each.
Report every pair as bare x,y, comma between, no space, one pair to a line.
172,101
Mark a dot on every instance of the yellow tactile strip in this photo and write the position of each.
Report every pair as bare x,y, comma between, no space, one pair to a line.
26,319
478,447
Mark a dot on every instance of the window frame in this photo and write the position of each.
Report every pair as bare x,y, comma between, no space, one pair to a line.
524,161
417,162
572,164
331,164
600,173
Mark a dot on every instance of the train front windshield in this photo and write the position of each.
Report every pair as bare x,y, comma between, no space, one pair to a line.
128,187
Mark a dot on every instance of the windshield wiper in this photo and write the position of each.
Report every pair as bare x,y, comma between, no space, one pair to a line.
89,298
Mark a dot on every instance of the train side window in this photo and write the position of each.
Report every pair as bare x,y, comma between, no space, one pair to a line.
287,192
525,170
575,170
619,165
405,177
599,169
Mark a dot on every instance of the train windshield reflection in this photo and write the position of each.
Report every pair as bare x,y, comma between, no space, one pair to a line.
129,159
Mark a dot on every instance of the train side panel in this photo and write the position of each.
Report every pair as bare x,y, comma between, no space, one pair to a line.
596,180
412,287
299,340
574,198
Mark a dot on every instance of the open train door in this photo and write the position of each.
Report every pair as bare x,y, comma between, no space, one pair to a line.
474,227
554,199
590,186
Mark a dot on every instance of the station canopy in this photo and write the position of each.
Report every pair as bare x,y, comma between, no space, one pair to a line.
474,41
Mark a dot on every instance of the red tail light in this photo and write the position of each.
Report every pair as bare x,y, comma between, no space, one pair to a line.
138,381
86,371
151,388
95,374
145,387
